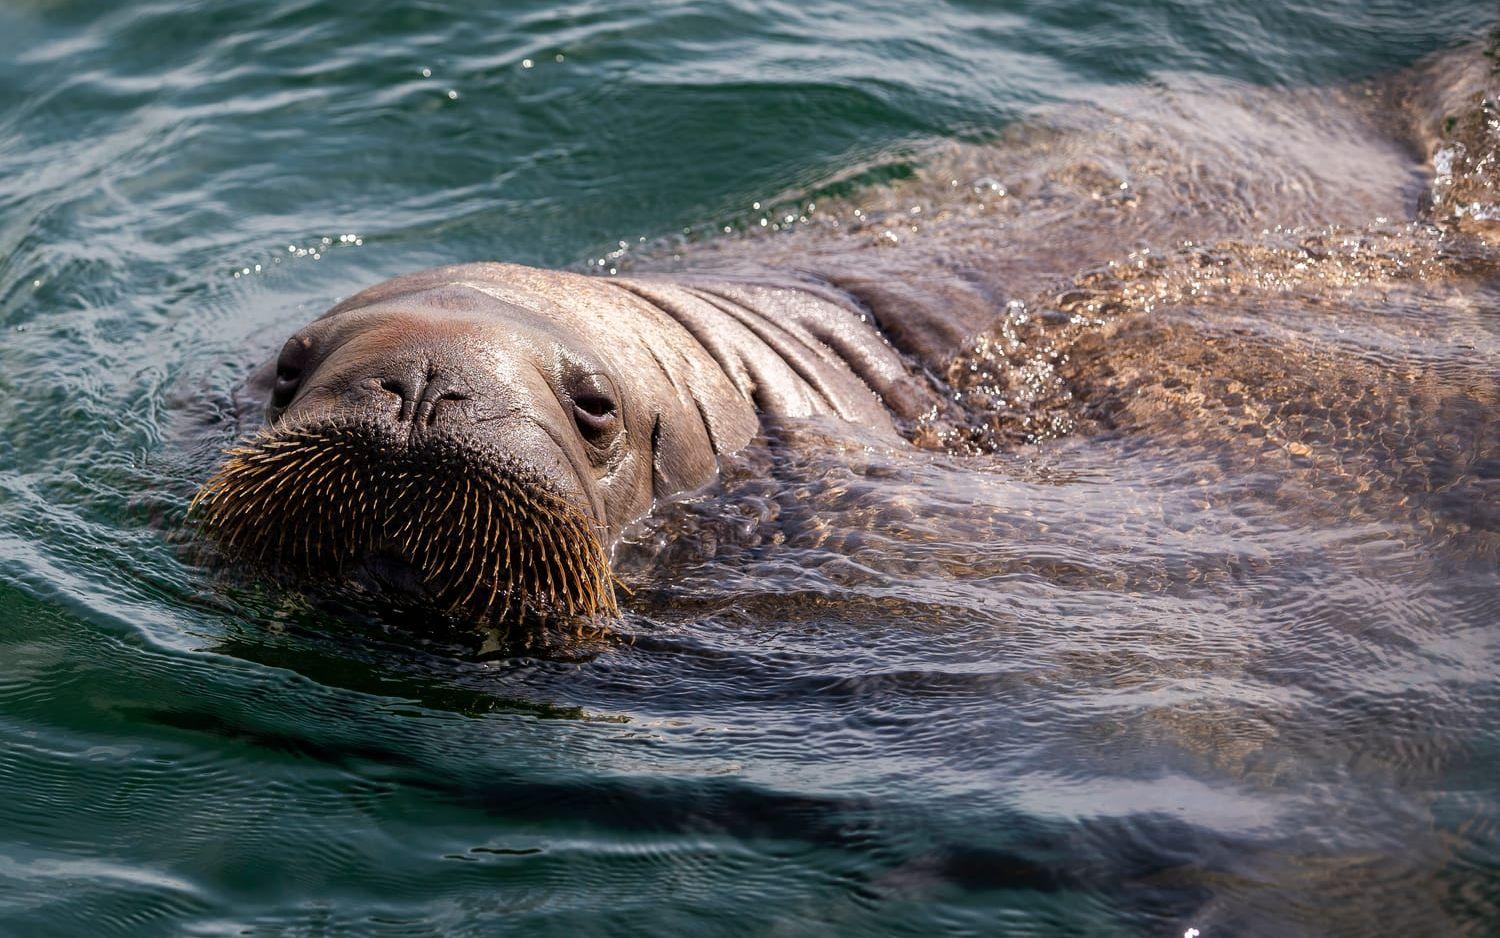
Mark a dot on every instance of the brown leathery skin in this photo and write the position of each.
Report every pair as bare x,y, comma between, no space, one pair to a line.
1186,268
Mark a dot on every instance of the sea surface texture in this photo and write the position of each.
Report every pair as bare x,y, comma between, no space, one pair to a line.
1184,616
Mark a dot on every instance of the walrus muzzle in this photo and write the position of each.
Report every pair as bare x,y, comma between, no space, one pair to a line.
477,535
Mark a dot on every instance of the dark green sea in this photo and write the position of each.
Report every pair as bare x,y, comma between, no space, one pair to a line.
813,734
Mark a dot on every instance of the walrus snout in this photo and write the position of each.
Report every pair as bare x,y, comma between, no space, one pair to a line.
454,522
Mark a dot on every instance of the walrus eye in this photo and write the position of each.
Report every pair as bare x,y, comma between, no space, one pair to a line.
287,380
289,367
595,413
595,410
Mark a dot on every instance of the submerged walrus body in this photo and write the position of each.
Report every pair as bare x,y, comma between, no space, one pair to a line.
480,434
1188,270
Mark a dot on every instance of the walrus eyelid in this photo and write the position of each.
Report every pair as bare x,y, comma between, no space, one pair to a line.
590,394
291,364
596,418
595,405
288,380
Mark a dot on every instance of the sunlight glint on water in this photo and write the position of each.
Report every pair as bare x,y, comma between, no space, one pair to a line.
1114,684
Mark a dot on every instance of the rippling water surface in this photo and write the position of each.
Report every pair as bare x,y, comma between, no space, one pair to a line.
1220,654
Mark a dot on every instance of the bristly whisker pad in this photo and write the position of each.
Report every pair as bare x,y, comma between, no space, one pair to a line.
491,540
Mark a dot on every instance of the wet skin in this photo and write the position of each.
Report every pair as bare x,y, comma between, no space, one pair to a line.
988,320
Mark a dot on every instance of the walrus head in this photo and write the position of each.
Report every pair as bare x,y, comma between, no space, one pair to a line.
461,439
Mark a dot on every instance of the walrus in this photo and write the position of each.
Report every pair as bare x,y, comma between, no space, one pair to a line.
480,434
475,438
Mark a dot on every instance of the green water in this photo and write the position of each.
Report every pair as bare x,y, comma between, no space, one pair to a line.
182,185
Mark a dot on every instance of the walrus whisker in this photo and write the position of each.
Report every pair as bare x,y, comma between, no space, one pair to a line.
476,578
310,500
312,477
546,566
471,530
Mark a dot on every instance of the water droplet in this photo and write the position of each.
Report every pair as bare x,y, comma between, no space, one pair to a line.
527,63
452,95
426,73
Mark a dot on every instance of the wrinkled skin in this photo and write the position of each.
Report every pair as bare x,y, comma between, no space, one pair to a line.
621,392
473,439
976,319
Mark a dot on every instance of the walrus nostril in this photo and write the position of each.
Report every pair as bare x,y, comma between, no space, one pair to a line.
431,408
421,400
398,389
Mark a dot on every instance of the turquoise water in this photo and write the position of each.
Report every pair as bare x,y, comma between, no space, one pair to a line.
182,185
